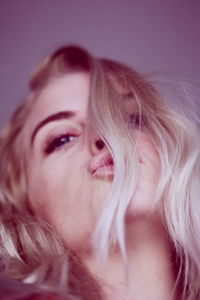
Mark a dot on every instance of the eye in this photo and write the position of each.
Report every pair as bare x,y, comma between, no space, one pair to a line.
59,142
135,119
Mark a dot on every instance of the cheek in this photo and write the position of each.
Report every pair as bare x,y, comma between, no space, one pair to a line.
144,196
70,201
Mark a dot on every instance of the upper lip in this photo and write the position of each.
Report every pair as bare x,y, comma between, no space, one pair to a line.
102,159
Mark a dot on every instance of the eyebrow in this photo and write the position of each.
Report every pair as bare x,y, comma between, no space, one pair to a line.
52,118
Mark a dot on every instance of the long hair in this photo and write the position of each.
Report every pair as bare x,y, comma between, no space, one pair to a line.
28,244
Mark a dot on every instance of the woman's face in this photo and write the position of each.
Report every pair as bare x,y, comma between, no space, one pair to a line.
68,173
66,179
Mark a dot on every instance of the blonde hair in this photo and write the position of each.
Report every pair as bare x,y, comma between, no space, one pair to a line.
28,244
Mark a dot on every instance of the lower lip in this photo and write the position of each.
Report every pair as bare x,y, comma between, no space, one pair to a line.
104,171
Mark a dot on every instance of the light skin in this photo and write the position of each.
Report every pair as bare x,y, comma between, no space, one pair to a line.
64,189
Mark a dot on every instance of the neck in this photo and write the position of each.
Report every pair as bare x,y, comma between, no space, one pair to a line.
151,272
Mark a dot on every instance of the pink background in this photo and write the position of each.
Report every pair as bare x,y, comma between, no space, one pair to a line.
161,37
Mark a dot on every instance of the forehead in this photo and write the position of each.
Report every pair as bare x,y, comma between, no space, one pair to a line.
69,92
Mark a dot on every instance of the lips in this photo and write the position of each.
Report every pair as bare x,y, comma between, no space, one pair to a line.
102,165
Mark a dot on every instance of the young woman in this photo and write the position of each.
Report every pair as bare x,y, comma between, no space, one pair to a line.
99,188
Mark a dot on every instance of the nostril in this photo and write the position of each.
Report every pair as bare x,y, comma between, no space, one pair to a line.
99,144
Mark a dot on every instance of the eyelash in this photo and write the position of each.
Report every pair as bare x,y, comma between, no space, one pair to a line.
58,142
